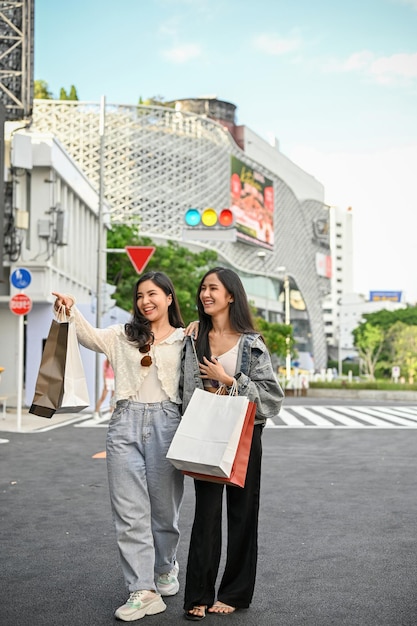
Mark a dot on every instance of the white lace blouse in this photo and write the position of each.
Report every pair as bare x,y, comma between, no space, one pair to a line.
125,357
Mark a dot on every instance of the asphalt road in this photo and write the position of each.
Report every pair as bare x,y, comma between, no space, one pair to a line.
337,540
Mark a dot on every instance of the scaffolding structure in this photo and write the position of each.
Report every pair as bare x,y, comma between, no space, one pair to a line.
16,57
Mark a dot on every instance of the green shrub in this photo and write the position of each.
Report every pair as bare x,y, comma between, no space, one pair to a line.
381,385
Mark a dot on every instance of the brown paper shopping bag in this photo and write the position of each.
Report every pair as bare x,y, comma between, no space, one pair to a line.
49,388
61,386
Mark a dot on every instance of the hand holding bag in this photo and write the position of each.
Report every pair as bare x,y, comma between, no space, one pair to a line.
60,386
208,436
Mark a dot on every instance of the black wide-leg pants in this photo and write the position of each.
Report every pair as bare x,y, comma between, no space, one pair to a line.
238,581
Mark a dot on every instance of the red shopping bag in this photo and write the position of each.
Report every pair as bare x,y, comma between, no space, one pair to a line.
237,477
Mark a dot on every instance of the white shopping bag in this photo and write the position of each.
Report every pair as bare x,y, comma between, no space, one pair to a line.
75,397
208,435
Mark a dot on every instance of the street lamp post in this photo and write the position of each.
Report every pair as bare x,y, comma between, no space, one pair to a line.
262,255
287,320
99,286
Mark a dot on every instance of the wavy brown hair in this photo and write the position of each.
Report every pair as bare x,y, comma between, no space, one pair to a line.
138,330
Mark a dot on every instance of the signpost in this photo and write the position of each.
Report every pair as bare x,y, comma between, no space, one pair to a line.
20,304
21,278
139,256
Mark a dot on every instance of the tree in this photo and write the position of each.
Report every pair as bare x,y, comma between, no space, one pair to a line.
369,341
73,93
385,320
402,341
275,336
41,90
71,96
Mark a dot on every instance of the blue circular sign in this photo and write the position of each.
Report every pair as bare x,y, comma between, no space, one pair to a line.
21,278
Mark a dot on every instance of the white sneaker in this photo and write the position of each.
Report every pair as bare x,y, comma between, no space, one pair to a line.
96,415
139,604
167,584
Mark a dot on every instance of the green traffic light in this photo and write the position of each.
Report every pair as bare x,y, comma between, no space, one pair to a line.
192,217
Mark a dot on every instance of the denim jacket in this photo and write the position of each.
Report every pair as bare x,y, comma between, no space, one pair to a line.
254,375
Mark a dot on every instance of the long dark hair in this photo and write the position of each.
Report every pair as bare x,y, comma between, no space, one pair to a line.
138,330
239,311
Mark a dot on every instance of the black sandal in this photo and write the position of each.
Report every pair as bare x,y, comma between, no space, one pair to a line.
196,618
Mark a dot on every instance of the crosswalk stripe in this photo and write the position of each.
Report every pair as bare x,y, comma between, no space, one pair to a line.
370,419
409,412
386,415
339,417
317,420
345,417
290,420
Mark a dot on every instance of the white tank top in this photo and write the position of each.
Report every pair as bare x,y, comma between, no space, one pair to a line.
229,361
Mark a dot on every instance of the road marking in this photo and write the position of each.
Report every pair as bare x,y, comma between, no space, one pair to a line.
311,416
99,455
345,417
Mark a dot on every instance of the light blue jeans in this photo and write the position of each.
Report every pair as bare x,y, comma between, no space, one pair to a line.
146,490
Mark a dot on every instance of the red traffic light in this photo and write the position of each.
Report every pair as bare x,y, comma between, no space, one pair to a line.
226,217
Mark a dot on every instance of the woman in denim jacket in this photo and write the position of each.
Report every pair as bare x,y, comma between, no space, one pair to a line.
227,348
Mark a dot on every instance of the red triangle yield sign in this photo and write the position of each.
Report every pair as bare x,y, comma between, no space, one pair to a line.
139,256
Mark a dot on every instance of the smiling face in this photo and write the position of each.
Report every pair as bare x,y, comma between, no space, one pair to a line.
214,296
152,301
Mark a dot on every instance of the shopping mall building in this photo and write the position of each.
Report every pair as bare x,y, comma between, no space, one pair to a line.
75,168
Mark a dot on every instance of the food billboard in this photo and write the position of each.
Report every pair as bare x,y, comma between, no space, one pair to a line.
252,203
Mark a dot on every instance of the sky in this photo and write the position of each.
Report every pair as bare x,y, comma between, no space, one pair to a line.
334,82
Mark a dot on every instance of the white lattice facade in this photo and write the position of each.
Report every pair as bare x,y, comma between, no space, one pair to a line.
158,162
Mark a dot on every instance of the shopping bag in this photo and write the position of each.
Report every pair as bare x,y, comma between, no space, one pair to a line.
60,369
75,397
237,476
49,388
208,435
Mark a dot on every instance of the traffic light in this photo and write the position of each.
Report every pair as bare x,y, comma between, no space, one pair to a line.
209,224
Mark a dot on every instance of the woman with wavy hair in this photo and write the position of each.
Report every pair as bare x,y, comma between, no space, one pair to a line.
146,491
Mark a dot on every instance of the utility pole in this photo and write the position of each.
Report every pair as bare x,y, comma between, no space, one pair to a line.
100,281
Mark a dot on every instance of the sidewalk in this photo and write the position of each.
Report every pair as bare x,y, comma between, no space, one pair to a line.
33,423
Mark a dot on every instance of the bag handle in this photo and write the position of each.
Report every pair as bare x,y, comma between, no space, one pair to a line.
224,390
60,314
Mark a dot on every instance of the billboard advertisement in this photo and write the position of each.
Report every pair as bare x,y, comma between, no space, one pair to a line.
252,203
385,296
323,265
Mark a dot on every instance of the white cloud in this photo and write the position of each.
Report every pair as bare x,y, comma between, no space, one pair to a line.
274,45
397,66
182,53
392,69
357,61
